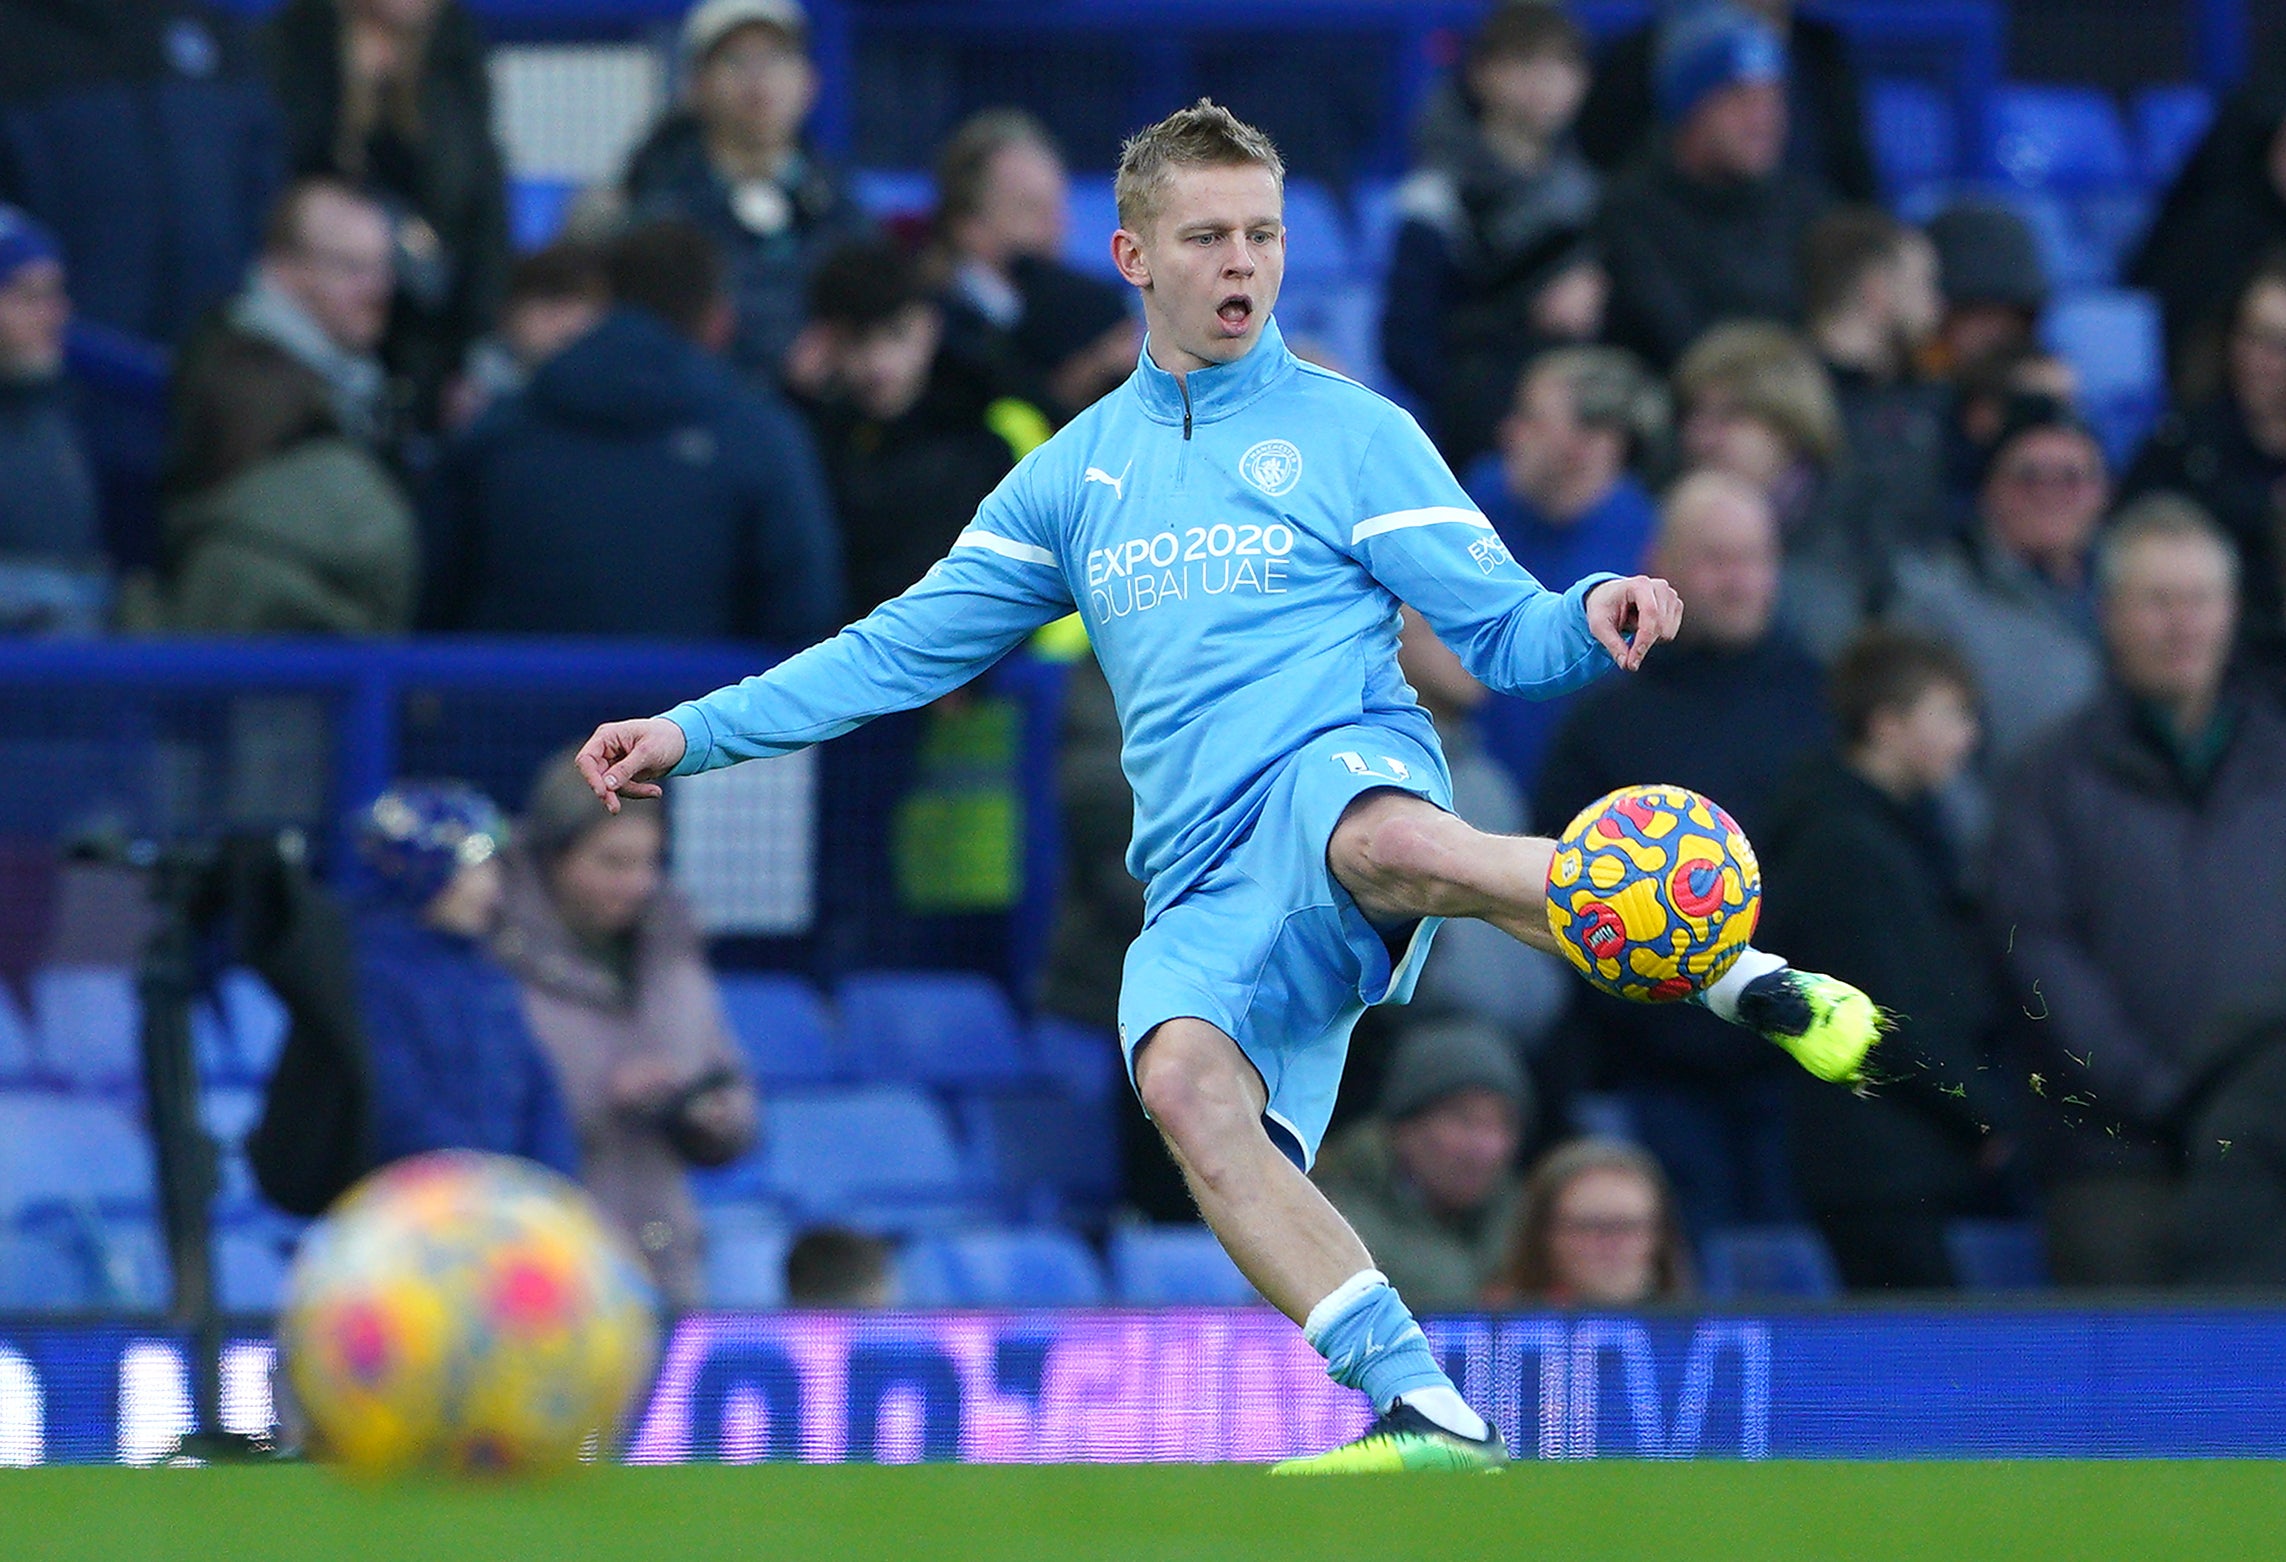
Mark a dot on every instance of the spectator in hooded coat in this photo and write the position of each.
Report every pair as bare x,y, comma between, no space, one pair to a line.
53,575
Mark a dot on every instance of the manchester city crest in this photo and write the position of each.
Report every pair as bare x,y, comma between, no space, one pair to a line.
1274,466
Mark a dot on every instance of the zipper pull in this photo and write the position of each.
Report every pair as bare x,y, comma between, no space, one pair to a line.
1183,384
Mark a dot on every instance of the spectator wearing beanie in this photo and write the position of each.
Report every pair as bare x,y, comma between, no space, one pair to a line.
617,990
52,571
1708,226
1429,1181
1994,284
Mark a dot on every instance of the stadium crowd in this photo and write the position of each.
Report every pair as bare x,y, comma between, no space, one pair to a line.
1995,695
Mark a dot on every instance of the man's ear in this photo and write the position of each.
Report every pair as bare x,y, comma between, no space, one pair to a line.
1127,255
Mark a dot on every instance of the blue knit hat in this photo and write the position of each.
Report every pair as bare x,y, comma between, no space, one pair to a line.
1709,47
23,242
415,837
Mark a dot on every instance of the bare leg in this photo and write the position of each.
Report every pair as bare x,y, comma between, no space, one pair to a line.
1401,856
1207,1101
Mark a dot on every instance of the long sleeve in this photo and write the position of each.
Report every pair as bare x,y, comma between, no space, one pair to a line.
1001,581
1421,536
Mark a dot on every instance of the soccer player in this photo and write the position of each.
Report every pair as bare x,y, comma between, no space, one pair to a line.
1237,529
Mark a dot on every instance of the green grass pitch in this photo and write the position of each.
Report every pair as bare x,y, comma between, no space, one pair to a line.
1692,1512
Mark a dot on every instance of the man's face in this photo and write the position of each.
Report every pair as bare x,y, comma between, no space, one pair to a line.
1916,301
2258,354
35,309
1024,207
1210,265
1539,94
756,85
1720,434
1719,549
343,270
1540,440
2169,619
2046,493
1742,129
1456,1151
885,369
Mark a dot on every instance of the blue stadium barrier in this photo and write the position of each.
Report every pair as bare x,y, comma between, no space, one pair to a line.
1039,1267
2170,122
781,1025
1789,1262
1155,1266
2058,138
944,1028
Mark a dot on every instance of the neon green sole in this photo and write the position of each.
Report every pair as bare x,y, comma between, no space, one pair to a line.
1398,1453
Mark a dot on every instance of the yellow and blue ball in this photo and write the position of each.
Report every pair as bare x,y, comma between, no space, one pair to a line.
1653,893
465,1312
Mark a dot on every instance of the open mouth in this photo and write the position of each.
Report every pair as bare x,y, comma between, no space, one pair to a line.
1235,311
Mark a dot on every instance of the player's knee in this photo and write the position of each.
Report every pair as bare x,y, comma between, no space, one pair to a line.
1194,1092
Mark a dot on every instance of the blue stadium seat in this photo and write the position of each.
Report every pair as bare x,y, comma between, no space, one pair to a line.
895,192
1997,1255
1030,1267
1047,1155
229,1113
251,1263
40,1274
1082,1061
1769,1261
1094,215
89,1023
878,1155
118,1251
1915,140
781,1024
19,1058
254,1023
2112,337
932,1027
2170,122
65,1148
746,1257
1317,237
537,208
1160,1266
1373,213
2059,138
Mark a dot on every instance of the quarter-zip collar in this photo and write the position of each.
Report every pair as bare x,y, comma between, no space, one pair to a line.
1208,395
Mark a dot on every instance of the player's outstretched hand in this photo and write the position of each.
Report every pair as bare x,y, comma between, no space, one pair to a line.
626,758
1628,617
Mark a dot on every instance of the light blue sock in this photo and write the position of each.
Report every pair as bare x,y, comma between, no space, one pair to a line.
1371,1343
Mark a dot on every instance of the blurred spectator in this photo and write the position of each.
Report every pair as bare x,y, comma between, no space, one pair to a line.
2230,452
142,133
1870,289
1428,1182
1474,969
1708,225
1860,879
2017,599
617,990
276,522
1984,396
1565,491
1597,1228
1493,243
454,1065
53,577
319,294
732,161
637,487
2233,1225
2225,212
1755,403
1993,280
555,296
1062,337
395,96
2140,882
1824,100
832,1266
913,435
1727,710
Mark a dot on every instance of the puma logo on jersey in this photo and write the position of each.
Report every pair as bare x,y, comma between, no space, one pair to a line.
1096,474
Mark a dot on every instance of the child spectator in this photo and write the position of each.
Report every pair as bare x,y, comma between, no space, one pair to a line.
556,295
617,990
453,1063
1493,244
1883,1173
732,161
1597,1228
53,576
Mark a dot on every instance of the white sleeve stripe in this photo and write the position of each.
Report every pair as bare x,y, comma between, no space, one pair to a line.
1006,547
1435,515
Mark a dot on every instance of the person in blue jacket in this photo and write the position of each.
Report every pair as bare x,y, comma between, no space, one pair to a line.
453,1064
1236,529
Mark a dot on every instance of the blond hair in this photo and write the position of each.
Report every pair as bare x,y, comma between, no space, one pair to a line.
1768,373
1205,135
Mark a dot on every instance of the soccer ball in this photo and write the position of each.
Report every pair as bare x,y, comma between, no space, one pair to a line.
464,1312
1653,893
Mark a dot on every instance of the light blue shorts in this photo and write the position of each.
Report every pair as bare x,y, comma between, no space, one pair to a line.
1269,949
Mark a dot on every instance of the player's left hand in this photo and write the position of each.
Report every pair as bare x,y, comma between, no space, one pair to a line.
1628,617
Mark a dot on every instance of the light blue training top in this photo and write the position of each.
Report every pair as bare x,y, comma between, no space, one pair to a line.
1237,542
